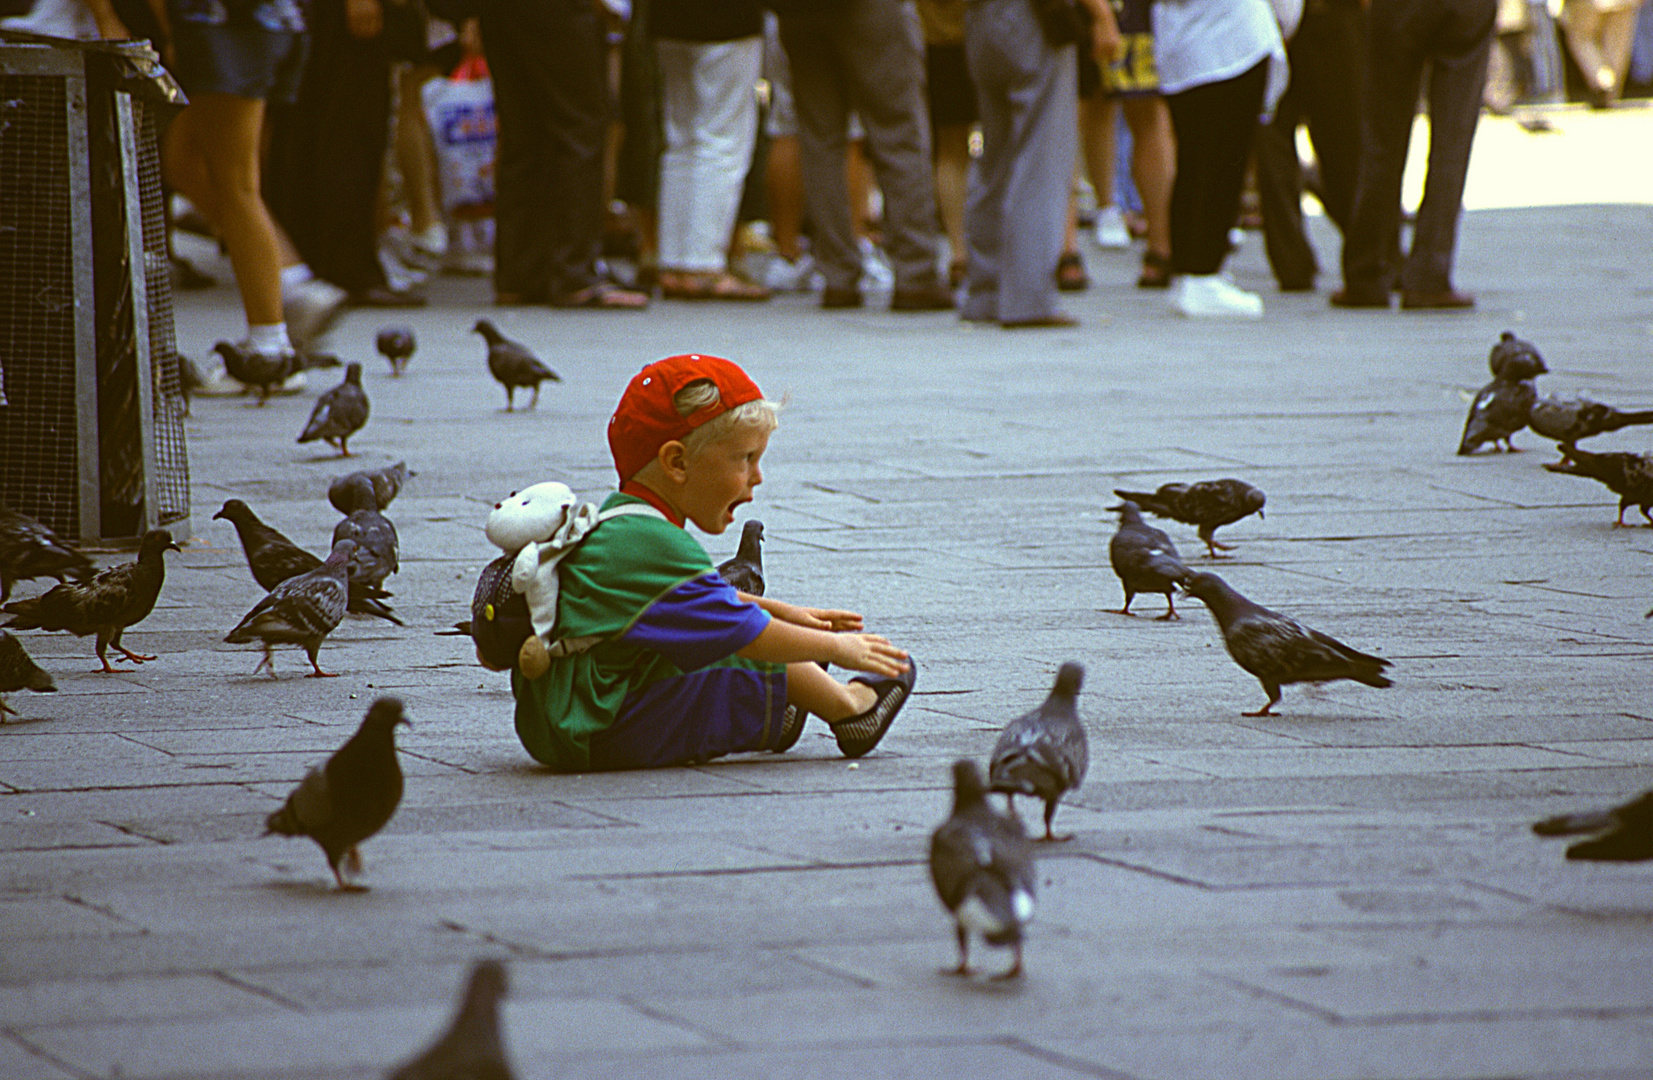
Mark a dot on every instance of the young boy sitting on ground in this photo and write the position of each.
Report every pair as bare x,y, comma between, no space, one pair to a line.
686,668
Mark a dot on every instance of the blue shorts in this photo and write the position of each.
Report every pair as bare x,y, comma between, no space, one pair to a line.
244,59
730,707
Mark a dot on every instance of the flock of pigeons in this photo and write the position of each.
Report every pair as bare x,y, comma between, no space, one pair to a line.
980,859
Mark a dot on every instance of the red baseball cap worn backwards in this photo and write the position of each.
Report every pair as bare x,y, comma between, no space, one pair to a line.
645,420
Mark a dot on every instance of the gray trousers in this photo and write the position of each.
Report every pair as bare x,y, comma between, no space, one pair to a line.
1016,204
865,56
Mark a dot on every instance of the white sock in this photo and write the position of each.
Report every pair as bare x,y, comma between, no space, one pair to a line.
294,276
269,339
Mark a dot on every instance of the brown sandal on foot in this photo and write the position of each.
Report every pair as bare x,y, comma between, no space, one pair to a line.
1156,271
1070,273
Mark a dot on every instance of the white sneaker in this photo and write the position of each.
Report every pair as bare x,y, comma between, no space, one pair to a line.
1111,231
310,309
789,275
1213,296
876,275
216,382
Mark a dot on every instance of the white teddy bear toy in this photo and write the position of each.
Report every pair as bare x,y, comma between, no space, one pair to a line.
539,524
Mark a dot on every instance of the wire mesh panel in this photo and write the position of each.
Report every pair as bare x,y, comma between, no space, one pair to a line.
170,486
39,437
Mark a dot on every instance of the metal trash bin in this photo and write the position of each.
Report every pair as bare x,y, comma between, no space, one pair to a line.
91,401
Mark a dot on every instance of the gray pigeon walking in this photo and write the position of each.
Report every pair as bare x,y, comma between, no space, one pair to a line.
28,549
471,1048
982,865
1278,649
106,604
378,550
1623,833
745,570
259,371
1503,406
273,559
1044,753
1569,419
1507,347
1629,476
339,413
396,344
302,610
1207,504
513,364
351,796
18,671
387,484
1145,560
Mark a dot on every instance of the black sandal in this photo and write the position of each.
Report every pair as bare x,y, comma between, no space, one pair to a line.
858,734
1156,271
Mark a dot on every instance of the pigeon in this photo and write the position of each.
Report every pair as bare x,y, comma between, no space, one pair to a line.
1630,476
259,371
1278,649
1044,752
1209,504
29,549
1567,420
982,866
471,1048
339,413
396,344
106,604
1502,406
513,364
377,553
302,610
19,672
273,559
351,796
745,570
387,484
1624,833
1508,346
1145,560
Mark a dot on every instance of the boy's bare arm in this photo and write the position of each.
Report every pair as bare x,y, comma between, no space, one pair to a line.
788,643
816,618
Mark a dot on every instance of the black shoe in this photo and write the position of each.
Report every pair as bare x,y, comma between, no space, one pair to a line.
935,297
792,726
858,734
833,298
1359,298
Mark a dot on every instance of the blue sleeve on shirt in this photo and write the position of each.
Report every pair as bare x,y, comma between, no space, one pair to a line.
699,622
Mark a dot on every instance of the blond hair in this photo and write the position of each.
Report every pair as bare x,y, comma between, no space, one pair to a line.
758,413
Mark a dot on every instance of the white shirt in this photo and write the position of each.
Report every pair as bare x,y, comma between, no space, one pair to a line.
1197,42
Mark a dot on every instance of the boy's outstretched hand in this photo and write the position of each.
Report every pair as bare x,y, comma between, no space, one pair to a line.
872,654
814,618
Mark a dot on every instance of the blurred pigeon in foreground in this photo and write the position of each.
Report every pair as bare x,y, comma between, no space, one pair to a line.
387,484
302,610
19,672
378,550
471,1048
1503,406
339,413
260,371
1208,504
1508,347
1145,560
513,364
105,605
351,796
1567,420
745,570
396,344
982,866
29,549
1278,649
1630,476
1624,833
273,559
1044,752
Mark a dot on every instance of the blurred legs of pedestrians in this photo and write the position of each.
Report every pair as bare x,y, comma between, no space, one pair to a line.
1453,37
1015,213
1213,124
864,56
783,171
1599,35
1325,56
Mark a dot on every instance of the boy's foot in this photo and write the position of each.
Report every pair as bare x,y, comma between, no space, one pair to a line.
792,726
858,734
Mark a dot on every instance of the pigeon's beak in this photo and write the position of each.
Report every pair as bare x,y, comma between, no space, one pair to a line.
174,547
405,722
1115,509
1260,514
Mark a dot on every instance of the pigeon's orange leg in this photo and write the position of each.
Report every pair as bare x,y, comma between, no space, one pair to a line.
1264,711
1015,971
964,954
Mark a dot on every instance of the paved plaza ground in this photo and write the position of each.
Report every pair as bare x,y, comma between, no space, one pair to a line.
1349,889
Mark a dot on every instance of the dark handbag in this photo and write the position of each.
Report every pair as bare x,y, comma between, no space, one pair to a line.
500,622
1064,22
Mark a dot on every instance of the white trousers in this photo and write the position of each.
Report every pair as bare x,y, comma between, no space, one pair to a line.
710,112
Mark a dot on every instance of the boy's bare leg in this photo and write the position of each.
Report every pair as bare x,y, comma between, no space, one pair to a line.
810,687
